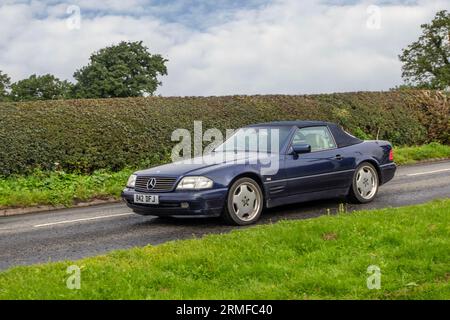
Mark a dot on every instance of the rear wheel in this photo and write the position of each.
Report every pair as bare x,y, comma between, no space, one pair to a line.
365,183
244,202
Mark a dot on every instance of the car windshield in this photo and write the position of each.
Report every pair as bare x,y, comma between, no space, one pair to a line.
256,139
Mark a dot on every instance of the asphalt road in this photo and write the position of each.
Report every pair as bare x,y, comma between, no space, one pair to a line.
75,233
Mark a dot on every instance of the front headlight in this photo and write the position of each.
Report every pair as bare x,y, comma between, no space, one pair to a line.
131,181
194,183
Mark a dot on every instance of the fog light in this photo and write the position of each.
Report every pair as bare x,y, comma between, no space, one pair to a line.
184,205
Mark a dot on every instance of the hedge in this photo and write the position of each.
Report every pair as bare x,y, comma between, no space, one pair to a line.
86,135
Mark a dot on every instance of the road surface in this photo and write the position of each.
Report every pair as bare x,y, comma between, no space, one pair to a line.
76,233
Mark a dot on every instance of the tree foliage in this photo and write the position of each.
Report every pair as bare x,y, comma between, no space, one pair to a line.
426,61
123,70
46,87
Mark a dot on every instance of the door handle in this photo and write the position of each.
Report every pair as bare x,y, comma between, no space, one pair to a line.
339,157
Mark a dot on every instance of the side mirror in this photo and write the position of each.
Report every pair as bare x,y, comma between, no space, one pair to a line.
301,148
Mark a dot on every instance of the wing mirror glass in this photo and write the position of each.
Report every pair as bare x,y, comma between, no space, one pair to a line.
301,148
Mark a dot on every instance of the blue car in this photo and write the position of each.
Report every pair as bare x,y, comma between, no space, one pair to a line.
264,166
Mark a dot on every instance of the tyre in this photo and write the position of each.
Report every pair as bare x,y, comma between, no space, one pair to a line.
244,202
365,183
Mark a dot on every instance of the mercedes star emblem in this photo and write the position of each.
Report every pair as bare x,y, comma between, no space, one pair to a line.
151,183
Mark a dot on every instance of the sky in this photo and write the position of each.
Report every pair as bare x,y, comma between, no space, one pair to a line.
223,47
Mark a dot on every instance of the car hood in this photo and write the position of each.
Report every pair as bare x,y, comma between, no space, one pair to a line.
205,164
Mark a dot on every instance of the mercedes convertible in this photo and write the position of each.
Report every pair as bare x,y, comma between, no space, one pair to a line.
263,166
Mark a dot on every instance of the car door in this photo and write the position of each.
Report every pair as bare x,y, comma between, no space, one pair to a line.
324,168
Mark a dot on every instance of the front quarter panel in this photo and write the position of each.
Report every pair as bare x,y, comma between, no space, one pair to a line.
224,175
262,171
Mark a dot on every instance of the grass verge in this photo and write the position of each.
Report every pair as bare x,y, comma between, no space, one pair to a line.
431,151
322,258
59,188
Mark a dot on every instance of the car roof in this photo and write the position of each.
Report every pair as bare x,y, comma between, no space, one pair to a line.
297,123
341,137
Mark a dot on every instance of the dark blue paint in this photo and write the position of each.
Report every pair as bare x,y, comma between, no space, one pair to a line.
301,177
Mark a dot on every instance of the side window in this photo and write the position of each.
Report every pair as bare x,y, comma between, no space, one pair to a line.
319,138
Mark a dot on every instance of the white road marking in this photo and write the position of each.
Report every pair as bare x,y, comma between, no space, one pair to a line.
427,172
83,219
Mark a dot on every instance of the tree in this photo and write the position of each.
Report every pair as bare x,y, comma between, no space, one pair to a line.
46,87
123,70
426,61
4,86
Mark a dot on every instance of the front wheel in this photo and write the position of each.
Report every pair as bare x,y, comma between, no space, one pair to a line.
365,183
244,202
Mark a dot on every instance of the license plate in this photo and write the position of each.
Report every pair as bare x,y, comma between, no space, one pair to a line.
146,198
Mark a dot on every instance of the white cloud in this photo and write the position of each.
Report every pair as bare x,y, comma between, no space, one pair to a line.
283,47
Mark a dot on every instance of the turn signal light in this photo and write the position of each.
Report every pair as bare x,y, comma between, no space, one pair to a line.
184,205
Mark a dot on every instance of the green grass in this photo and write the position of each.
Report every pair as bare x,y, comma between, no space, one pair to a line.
410,155
322,258
59,188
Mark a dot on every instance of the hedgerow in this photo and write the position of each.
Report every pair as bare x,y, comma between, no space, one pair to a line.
87,135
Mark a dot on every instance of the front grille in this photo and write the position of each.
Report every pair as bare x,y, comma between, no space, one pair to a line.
163,184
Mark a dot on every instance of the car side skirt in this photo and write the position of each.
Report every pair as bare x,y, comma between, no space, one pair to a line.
296,198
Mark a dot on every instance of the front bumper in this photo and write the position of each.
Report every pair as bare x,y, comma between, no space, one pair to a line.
200,203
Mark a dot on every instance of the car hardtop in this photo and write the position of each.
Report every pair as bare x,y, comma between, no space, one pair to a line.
342,138
296,123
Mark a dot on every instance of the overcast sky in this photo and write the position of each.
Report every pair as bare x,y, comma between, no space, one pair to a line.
223,47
